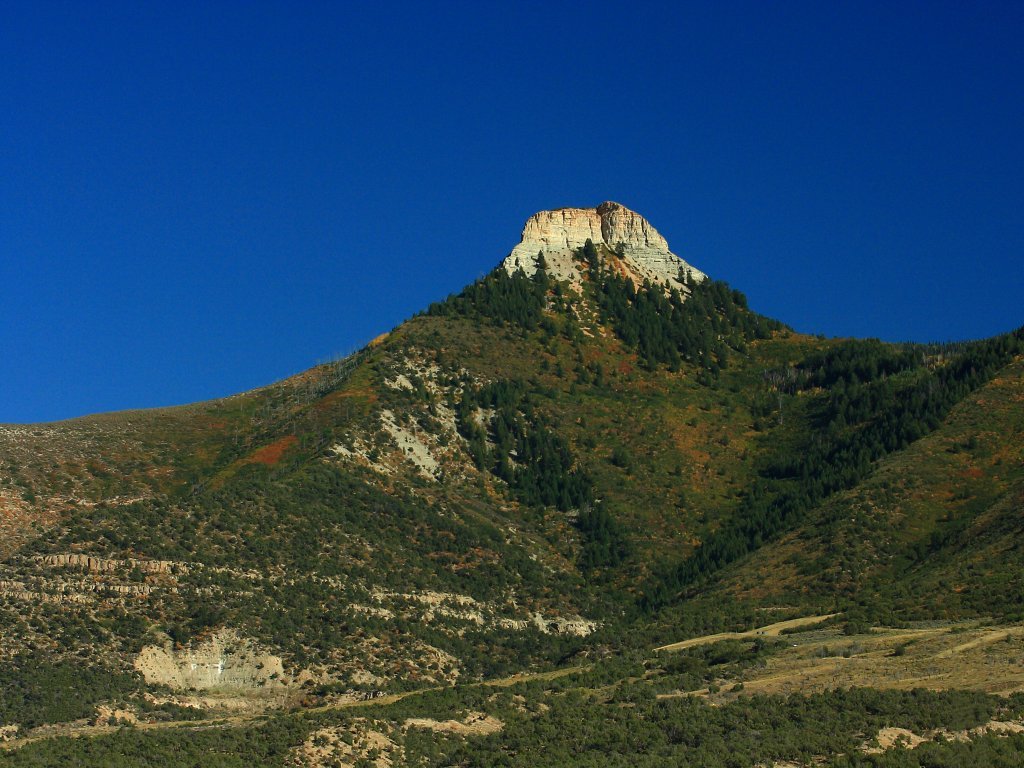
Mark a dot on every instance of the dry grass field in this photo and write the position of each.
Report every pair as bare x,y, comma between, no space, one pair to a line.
937,656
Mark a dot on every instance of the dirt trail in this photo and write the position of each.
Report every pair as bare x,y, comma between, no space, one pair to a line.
956,656
76,731
987,639
769,630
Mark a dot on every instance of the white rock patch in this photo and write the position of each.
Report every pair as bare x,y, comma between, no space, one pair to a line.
222,661
413,447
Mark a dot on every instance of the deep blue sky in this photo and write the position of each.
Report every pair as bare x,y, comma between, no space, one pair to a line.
200,199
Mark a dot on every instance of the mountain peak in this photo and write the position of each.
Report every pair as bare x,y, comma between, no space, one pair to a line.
560,232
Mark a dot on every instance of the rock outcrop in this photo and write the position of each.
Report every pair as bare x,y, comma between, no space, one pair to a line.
104,565
560,625
559,233
223,661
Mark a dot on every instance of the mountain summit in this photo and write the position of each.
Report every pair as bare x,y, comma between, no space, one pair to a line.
581,474
559,233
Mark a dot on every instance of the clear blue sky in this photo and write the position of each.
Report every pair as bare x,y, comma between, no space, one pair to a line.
197,199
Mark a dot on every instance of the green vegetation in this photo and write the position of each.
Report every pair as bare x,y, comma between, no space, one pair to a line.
263,745
701,328
580,731
35,690
855,423
558,724
502,298
537,465
298,522
604,540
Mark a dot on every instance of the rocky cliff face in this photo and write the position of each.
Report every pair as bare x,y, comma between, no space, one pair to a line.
558,233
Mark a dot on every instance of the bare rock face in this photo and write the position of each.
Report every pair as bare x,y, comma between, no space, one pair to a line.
557,234
222,661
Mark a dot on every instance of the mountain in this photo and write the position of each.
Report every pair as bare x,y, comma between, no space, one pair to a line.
594,451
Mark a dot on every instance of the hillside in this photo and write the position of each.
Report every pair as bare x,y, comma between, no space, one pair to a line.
595,450
935,531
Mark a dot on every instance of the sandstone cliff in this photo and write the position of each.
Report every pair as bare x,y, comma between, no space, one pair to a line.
558,233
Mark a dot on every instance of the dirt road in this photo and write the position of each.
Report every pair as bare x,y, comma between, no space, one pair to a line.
769,630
